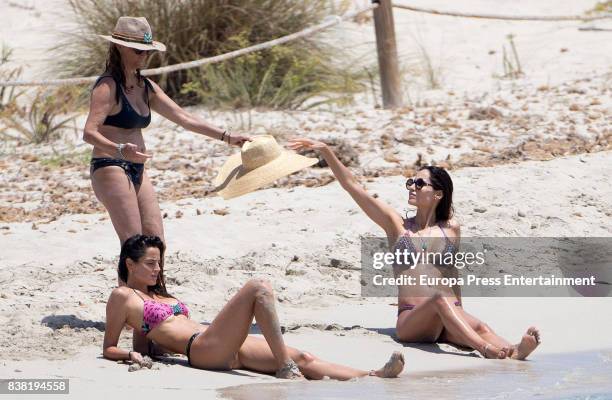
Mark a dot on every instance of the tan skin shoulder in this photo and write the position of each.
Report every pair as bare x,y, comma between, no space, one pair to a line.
452,229
106,86
121,292
119,301
454,226
102,102
156,95
162,104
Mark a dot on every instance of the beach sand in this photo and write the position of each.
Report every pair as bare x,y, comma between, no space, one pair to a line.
54,293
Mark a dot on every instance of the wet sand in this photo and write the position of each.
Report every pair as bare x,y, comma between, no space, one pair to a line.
571,376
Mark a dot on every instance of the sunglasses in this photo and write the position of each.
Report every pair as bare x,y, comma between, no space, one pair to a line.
418,183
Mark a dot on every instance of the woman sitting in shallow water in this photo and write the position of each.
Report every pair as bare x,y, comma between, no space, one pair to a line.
225,344
426,314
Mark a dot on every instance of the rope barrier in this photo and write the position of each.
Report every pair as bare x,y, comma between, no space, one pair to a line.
327,23
503,17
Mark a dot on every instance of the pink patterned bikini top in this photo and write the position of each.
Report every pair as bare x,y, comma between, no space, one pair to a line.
155,312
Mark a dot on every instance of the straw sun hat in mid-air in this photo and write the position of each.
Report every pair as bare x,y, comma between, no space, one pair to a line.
260,161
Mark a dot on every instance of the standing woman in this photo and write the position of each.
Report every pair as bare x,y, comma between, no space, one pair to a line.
121,104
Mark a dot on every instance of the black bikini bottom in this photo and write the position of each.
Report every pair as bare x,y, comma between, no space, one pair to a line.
189,347
134,171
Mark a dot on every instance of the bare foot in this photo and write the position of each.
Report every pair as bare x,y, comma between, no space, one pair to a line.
528,344
393,367
490,351
289,371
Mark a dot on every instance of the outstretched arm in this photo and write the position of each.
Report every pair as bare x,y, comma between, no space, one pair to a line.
166,107
378,211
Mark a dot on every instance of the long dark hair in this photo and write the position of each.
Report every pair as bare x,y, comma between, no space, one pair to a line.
441,180
134,248
114,68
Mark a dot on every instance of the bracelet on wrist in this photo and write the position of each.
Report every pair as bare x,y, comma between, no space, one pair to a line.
130,355
223,135
120,147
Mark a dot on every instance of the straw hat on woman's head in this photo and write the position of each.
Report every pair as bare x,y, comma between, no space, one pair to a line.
260,162
134,32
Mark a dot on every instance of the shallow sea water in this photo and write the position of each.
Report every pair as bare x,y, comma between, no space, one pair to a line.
571,376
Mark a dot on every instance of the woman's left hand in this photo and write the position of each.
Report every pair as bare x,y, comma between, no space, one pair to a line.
306,144
238,140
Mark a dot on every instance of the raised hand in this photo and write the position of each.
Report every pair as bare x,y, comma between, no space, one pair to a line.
304,143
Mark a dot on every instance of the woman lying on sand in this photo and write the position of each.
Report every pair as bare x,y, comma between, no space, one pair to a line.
225,344
426,314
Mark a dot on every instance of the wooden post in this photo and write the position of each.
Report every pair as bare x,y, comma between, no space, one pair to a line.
390,79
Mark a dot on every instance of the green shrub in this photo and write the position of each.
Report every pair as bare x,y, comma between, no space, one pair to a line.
282,77
8,94
602,7
38,116
43,118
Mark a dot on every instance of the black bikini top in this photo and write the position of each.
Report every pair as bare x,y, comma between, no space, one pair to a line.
127,117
